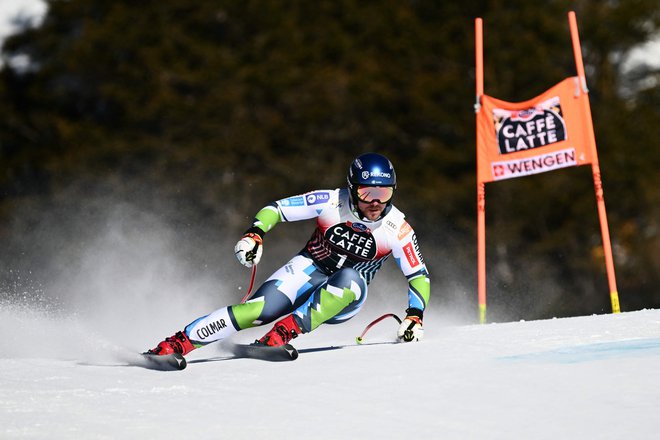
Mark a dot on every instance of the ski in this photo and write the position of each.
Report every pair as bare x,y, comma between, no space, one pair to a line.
169,362
286,352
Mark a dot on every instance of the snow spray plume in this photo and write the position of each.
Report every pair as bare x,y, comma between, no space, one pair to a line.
121,280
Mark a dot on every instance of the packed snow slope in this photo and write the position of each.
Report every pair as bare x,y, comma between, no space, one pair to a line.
594,377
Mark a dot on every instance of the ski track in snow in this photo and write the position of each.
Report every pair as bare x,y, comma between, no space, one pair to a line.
595,377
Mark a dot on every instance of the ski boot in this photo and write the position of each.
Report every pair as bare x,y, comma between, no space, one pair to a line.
283,331
178,343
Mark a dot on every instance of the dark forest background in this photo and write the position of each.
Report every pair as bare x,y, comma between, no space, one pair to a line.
196,114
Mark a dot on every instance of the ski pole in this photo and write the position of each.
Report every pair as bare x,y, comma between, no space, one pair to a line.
249,291
374,322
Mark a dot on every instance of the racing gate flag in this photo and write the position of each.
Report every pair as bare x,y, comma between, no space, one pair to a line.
552,131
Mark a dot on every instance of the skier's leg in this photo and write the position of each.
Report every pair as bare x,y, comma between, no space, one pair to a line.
282,293
336,300
333,302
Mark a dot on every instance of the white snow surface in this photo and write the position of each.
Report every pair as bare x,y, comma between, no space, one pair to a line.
593,377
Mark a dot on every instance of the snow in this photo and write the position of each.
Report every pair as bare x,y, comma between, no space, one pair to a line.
571,378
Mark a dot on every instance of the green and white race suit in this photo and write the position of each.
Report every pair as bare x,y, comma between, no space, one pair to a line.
326,282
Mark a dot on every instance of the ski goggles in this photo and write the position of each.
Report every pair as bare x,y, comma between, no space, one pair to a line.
368,194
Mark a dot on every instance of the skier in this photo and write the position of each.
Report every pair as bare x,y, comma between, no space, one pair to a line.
357,228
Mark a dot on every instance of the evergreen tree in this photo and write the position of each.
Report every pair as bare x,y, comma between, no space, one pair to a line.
206,111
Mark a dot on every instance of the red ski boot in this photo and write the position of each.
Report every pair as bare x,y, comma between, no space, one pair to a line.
178,343
283,331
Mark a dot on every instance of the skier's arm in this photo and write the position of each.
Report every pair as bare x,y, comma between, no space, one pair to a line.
419,290
266,219
249,248
409,258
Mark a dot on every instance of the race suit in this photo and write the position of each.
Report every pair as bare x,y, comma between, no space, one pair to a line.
326,282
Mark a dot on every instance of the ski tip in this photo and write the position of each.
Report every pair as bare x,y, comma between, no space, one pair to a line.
181,362
170,362
293,353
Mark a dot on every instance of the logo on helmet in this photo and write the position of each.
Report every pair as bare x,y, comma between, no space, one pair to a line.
380,174
367,174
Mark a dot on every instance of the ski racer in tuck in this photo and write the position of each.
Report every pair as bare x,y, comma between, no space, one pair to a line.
357,229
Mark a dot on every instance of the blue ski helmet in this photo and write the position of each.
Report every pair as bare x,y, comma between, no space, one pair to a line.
370,169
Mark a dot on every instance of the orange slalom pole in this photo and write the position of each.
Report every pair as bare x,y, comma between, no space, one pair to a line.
481,187
481,249
479,61
607,246
595,170
577,51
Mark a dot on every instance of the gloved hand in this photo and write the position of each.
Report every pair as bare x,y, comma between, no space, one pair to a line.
249,248
411,327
